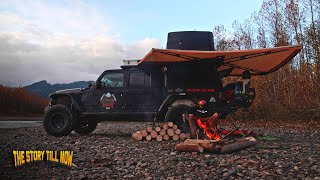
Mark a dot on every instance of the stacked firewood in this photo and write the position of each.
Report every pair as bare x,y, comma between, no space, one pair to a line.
164,132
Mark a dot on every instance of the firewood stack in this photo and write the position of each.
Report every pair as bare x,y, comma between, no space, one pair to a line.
164,132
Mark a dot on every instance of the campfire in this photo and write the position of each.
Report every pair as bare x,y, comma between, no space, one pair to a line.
211,131
208,137
209,128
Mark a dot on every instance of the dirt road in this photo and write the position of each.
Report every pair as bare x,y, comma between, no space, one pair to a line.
110,153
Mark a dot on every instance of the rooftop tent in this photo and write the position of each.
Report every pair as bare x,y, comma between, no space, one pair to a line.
191,40
257,61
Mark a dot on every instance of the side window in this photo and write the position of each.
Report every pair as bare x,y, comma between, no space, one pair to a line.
112,80
139,80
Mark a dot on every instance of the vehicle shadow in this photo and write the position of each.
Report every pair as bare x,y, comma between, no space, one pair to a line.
105,134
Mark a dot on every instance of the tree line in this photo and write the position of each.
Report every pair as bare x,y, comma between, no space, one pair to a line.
17,101
293,91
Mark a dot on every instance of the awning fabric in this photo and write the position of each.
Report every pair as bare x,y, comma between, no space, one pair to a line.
257,61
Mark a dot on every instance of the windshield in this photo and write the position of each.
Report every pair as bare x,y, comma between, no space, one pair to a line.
112,80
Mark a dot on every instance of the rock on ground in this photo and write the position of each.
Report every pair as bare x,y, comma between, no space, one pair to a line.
110,153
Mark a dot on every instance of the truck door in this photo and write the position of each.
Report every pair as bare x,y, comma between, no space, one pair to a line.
108,96
140,95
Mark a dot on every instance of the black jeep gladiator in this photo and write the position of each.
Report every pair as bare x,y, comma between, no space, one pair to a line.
161,94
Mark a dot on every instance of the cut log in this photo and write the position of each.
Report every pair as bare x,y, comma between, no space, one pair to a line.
159,138
209,145
189,147
174,127
170,124
165,127
166,137
188,135
154,133
133,135
137,136
170,132
237,146
144,133
149,129
163,132
177,131
223,146
197,141
182,136
250,138
158,129
148,137
175,137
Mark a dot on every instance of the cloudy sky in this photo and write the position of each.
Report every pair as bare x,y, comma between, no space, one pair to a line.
67,41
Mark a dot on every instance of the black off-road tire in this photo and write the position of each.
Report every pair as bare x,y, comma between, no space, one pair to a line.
46,109
83,127
58,121
175,115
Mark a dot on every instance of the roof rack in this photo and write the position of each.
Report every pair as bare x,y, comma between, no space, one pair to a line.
130,63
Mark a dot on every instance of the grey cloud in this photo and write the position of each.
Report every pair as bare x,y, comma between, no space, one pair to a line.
59,44
22,62
10,44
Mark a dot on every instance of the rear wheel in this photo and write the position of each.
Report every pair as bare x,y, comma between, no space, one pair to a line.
179,115
84,126
58,121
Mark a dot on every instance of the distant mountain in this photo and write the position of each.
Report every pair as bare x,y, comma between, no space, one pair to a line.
43,88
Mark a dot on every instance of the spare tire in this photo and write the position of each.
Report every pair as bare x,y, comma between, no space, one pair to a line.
84,126
58,121
175,115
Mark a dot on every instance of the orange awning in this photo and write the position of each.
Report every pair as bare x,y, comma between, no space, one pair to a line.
257,61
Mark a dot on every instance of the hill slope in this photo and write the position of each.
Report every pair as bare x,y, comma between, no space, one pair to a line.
43,88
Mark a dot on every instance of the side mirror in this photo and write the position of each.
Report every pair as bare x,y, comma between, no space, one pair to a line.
89,85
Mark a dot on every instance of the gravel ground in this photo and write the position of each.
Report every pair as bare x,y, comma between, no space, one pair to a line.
110,153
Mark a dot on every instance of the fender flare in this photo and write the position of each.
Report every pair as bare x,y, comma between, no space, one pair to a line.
74,104
175,100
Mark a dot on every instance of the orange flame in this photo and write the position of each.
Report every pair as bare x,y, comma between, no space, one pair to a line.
209,125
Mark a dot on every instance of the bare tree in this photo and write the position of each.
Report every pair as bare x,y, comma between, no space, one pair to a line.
313,31
221,39
261,32
296,22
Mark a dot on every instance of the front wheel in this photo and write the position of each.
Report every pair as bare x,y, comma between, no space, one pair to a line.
58,120
85,126
176,115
